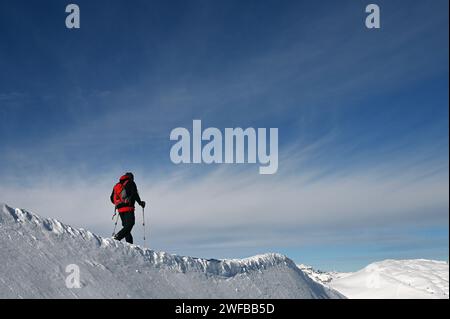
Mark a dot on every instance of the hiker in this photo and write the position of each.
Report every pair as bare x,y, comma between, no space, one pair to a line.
123,196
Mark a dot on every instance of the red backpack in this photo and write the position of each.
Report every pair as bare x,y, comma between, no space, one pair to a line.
121,199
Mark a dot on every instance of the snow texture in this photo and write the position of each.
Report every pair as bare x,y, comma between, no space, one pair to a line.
389,279
404,279
35,253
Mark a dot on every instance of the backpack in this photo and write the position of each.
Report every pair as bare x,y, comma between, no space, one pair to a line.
121,198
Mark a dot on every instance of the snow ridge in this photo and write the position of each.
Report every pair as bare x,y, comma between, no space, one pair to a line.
38,248
225,268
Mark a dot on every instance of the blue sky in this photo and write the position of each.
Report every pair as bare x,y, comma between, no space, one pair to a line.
362,117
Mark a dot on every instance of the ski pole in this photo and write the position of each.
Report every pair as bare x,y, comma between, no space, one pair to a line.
115,224
143,224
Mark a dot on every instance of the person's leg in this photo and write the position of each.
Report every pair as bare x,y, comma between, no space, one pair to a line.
121,234
127,223
130,224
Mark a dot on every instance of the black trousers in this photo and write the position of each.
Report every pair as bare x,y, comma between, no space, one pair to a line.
128,221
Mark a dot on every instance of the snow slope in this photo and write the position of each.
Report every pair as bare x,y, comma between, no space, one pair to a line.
416,278
388,279
35,253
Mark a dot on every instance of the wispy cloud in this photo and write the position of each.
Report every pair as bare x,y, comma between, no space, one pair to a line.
238,209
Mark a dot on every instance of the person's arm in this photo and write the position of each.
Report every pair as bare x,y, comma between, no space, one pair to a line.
137,198
112,197
140,202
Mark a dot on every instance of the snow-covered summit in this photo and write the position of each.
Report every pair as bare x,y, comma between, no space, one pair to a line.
36,252
387,279
410,278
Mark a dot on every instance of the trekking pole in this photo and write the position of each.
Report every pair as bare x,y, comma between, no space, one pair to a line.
115,224
143,224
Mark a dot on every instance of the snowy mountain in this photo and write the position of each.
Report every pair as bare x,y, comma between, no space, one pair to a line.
389,279
417,278
319,276
36,252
